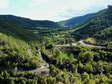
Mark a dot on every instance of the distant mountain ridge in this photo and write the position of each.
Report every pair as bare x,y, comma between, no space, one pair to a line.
28,23
75,21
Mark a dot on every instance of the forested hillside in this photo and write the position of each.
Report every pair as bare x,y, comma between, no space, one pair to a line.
101,22
27,23
105,34
75,21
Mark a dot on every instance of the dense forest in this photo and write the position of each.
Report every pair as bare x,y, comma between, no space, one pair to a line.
44,52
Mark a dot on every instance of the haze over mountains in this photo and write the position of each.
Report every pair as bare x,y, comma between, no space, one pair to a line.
75,21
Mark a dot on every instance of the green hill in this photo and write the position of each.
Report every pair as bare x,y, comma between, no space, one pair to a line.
16,53
28,23
16,31
18,45
100,22
75,21
24,28
105,34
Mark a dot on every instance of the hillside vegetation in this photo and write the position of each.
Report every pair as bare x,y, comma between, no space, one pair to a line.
105,34
27,23
76,21
98,24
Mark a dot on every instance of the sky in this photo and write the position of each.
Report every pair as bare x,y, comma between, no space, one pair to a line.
55,10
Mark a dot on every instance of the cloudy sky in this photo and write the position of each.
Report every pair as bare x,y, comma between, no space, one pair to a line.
51,9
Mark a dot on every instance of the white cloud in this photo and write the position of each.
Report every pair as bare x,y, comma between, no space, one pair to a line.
54,9
4,3
37,2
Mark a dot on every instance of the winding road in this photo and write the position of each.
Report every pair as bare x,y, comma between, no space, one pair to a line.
89,44
81,42
86,44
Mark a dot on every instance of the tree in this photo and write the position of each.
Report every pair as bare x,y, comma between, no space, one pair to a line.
89,67
86,56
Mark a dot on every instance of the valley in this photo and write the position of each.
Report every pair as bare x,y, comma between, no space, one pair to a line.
46,52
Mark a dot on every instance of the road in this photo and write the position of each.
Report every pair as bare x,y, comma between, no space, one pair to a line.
44,69
85,44
89,44
75,44
66,45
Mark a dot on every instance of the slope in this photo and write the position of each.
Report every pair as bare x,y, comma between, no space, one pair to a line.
28,23
15,49
105,34
101,21
76,20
